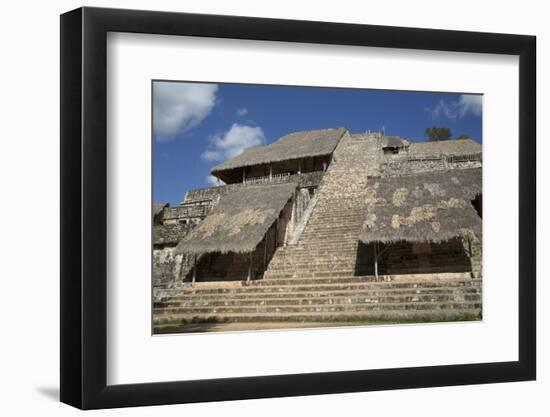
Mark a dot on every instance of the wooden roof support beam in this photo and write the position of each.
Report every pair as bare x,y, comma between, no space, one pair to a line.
249,267
194,269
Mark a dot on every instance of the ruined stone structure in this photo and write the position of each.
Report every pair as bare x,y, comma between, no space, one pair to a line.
326,225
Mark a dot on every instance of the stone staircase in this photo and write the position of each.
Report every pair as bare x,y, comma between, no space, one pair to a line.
331,299
329,244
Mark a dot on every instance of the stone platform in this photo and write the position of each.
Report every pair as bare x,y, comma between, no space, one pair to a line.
325,300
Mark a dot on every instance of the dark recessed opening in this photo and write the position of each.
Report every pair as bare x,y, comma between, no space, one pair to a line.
390,150
477,203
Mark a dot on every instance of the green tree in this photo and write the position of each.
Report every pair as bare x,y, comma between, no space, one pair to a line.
464,136
437,133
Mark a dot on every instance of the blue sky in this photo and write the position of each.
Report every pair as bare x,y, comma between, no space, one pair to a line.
197,125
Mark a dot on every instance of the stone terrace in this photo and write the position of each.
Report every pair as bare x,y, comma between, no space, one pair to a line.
338,299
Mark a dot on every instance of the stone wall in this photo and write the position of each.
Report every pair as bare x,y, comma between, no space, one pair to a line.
170,270
303,197
310,179
306,200
169,234
398,165
192,213
286,224
166,267
475,251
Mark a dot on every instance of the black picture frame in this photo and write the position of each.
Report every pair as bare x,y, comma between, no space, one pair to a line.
84,207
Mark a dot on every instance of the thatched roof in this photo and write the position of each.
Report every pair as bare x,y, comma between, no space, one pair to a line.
446,147
393,142
427,207
159,207
169,234
239,221
292,146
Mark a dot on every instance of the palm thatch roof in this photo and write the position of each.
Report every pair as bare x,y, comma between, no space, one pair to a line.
446,147
239,221
159,207
427,207
394,142
292,146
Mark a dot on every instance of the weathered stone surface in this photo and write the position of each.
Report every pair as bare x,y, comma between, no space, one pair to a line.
303,299
324,273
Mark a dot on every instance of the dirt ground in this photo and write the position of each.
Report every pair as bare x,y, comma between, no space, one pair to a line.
238,327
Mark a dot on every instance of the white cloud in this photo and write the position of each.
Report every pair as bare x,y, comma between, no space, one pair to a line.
243,111
233,142
178,107
213,181
453,109
442,109
470,103
212,155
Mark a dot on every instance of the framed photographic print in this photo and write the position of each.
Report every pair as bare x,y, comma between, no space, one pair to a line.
257,208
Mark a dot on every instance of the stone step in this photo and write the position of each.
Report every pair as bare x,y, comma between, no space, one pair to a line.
308,257
326,238
322,216
344,212
324,294
364,316
410,281
341,308
317,254
342,204
297,262
329,258
319,243
313,251
341,211
309,274
326,242
340,208
334,232
325,266
305,285
300,301
334,228
319,246
292,285
312,273
348,191
318,249
305,256
332,235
